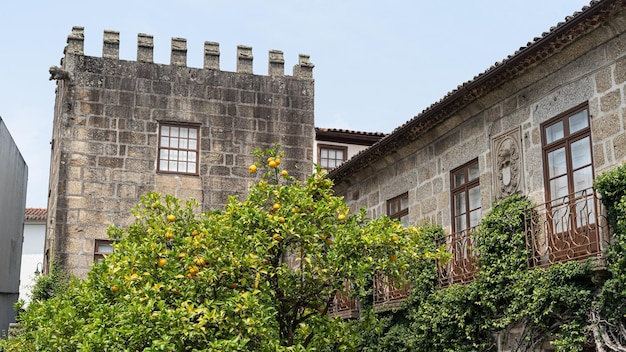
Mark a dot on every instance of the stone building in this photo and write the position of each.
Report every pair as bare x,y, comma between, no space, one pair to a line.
124,128
333,146
544,121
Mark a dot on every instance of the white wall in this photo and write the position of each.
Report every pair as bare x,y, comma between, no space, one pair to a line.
32,254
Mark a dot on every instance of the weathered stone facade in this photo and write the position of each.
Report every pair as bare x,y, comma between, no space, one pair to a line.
106,133
499,121
583,63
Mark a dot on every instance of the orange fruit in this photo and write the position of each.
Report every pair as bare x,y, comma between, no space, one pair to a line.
194,233
281,220
284,173
169,235
171,218
394,238
115,288
341,217
200,261
277,237
162,262
252,169
276,206
272,164
393,258
277,161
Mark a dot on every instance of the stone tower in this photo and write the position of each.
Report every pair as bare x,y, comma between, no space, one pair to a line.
124,128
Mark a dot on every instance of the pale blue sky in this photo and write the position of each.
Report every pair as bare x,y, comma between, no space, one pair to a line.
377,63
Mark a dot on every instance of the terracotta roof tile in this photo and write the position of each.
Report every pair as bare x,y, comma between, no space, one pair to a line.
36,213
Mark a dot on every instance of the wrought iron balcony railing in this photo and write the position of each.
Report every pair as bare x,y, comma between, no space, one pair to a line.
461,268
343,305
564,229
387,293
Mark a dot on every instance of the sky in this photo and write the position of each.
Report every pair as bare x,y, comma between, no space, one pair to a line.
377,63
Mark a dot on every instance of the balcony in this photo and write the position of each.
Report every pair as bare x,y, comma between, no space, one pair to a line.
461,268
343,305
568,228
387,293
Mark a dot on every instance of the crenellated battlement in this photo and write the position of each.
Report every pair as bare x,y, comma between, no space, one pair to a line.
145,53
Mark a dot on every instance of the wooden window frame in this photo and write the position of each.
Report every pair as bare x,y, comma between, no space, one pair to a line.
97,255
190,126
565,142
402,212
464,188
333,147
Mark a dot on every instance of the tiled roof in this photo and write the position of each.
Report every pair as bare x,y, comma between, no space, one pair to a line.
347,136
526,57
36,213
340,130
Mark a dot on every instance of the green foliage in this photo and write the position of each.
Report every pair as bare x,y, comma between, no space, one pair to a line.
611,186
550,303
50,285
258,275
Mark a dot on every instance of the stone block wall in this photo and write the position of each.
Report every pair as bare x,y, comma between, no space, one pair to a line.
105,134
591,70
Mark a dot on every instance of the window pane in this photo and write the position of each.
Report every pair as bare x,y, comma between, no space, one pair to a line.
459,178
193,133
191,167
165,142
182,166
163,154
192,156
173,154
174,131
165,130
460,224
459,204
393,207
578,121
583,179
473,172
558,188
474,197
340,156
475,218
581,153
183,144
324,153
554,132
556,163
104,247
172,166
193,144
404,202
184,132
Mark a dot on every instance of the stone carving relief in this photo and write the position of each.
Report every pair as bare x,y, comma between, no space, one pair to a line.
507,163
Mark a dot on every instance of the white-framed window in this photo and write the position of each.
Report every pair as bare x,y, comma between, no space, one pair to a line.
179,146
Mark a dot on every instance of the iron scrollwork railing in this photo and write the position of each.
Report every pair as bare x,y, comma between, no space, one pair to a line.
343,305
461,268
387,293
564,229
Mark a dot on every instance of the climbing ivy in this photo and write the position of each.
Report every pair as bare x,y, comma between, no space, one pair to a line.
548,305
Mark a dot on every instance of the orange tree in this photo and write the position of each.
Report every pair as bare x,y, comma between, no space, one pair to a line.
259,275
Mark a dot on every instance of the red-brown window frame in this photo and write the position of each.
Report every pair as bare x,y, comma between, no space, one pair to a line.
190,126
333,147
464,188
97,255
566,141
398,200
